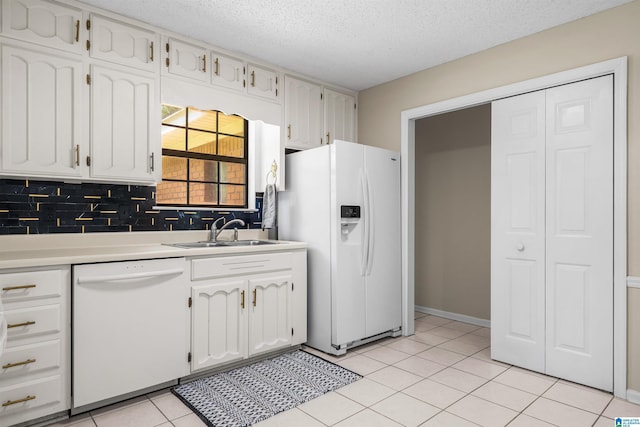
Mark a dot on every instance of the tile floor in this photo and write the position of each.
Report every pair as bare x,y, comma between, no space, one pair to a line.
441,376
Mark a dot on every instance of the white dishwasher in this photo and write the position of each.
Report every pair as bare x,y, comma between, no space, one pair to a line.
130,327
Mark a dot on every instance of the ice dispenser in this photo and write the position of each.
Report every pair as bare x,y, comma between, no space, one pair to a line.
349,217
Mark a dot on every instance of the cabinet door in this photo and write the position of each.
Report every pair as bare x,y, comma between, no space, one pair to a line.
46,23
302,113
227,72
41,126
186,60
270,313
123,43
125,123
219,323
339,116
517,230
263,82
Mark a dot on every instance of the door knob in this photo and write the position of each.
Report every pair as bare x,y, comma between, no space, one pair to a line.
520,247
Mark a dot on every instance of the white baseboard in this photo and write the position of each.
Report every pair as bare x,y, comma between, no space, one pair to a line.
454,316
633,396
633,282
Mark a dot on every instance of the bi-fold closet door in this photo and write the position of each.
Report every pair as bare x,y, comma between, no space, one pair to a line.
552,231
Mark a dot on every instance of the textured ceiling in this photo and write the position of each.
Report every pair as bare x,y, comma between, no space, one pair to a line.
356,43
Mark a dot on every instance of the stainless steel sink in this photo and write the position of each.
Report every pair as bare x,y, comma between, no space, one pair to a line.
222,243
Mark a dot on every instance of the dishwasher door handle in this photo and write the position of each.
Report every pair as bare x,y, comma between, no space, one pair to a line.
129,276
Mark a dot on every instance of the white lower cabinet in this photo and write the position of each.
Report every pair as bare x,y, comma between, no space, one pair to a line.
219,323
270,313
34,367
258,305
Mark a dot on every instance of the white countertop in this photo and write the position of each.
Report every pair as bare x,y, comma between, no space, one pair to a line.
52,249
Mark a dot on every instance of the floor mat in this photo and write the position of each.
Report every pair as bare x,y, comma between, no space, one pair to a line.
253,393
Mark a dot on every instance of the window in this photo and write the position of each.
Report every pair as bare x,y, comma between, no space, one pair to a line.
204,158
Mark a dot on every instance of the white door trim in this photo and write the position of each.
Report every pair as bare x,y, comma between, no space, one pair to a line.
617,67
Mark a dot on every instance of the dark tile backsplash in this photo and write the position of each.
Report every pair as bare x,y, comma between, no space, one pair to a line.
39,207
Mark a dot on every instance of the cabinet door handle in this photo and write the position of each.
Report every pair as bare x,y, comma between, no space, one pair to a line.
19,287
17,325
254,297
13,365
13,402
77,30
151,48
242,299
328,137
289,131
204,63
152,166
217,67
253,78
78,155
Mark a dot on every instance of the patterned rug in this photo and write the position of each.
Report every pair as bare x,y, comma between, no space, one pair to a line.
253,393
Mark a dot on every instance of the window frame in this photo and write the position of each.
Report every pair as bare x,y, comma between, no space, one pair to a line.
186,154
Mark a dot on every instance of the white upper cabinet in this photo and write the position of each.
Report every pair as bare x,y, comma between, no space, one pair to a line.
122,43
302,113
186,60
46,23
339,116
228,72
262,82
125,124
41,122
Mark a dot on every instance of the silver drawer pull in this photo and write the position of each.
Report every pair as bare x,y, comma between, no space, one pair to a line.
13,402
17,325
13,365
15,288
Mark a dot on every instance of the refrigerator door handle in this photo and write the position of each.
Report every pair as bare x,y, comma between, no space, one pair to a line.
370,223
365,225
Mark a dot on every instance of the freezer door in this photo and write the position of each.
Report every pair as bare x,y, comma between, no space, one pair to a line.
383,278
347,236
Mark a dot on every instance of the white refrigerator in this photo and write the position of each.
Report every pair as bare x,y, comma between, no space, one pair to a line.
343,199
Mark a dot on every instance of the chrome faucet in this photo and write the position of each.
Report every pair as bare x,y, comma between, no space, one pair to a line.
215,231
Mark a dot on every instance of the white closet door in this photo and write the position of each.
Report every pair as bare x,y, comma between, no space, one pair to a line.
579,277
552,231
517,230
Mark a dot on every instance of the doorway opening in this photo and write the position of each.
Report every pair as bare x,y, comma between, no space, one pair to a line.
453,211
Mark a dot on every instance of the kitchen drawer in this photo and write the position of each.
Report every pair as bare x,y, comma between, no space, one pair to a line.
31,285
32,322
30,395
32,359
205,268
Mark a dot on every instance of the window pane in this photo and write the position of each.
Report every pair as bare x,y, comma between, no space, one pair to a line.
173,138
201,142
174,168
232,195
203,194
232,172
202,119
173,115
230,146
203,170
231,125
168,192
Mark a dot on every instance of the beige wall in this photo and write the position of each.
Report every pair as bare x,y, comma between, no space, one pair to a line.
453,212
597,38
